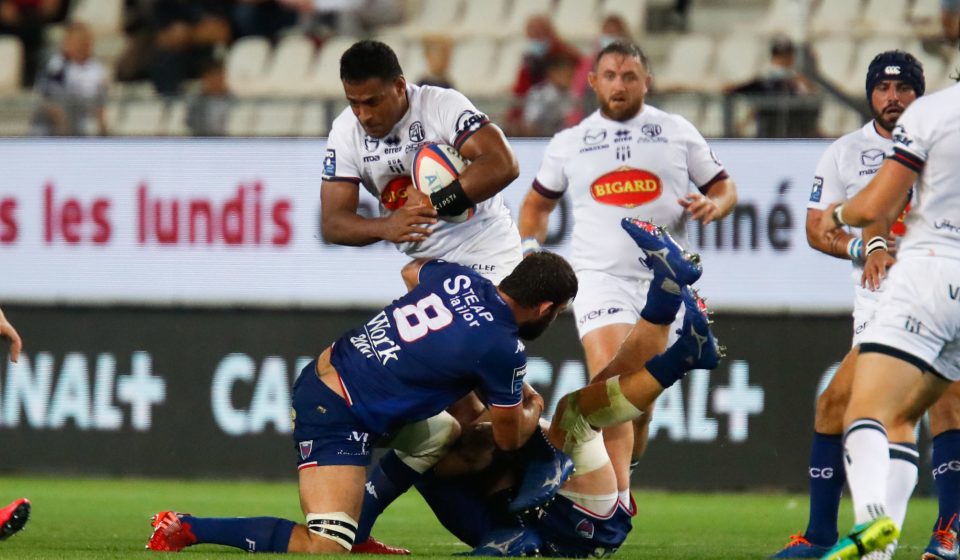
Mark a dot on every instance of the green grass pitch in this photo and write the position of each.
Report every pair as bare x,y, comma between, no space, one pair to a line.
103,519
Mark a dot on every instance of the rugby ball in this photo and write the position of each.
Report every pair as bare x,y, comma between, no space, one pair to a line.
435,166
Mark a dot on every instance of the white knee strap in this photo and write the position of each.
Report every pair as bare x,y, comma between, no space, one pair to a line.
422,444
337,526
587,456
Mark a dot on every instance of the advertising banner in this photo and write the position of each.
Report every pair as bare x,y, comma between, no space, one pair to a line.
235,222
206,393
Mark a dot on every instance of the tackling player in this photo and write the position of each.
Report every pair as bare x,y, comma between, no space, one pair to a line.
589,516
372,143
627,159
911,352
14,515
454,333
894,80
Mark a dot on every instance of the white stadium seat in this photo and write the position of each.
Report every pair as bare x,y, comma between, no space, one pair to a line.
687,106
240,122
434,16
313,120
836,16
837,119
103,17
175,121
141,118
471,65
687,63
291,62
867,50
246,65
483,18
633,12
277,119
324,78
576,19
737,60
834,57
523,10
886,16
11,63
509,59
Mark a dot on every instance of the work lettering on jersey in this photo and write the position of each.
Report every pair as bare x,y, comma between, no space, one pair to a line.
847,166
450,335
382,165
637,168
927,141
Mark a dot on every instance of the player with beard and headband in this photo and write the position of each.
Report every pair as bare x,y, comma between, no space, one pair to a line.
452,334
626,160
910,354
894,80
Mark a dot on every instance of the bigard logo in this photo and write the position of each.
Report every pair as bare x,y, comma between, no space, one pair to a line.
626,187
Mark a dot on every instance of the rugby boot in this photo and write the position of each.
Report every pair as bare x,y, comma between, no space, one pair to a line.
541,480
800,547
519,541
695,335
943,542
170,534
13,517
663,255
865,538
373,546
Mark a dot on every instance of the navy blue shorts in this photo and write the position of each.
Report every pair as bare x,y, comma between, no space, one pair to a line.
325,431
568,530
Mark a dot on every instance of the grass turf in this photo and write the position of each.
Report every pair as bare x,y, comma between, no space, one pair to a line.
103,519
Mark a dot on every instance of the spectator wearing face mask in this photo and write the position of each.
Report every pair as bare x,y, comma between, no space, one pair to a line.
543,45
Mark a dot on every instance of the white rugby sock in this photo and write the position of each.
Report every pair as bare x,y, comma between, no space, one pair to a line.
901,479
867,460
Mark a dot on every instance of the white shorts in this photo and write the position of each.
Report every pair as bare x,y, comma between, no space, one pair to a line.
494,261
918,316
603,299
864,309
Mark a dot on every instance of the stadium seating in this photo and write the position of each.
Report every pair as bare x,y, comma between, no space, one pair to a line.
11,64
324,78
576,20
886,17
140,118
481,18
471,65
516,20
687,64
738,60
633,12
836,16
834,56
277,118
103,17
313,120
286,74
241,119
246,64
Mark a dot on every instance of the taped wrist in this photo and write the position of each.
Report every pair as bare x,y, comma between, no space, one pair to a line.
530,245
451,200
855,249
876,243
337,526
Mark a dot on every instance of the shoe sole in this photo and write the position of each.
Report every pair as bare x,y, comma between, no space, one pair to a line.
873,538
18,518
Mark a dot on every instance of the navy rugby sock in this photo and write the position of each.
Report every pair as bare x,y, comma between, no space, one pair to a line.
669,367
827,477
662,303
253,534
946,475
387,481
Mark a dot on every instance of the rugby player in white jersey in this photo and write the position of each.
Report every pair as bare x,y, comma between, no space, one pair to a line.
627,159
894,80
372,143
911,352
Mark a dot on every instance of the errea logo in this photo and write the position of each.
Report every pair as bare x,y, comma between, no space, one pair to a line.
892,70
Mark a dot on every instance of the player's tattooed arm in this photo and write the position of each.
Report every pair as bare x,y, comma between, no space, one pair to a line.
340,223
493,165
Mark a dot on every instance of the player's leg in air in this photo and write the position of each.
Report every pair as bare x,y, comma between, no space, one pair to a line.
333,455
13,517
945,427
673,269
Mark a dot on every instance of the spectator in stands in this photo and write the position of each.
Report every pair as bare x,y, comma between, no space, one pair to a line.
264,18
543,43
786,101
612,29
26,20
73,88
437,50
186,35
208,112
548,104
950,17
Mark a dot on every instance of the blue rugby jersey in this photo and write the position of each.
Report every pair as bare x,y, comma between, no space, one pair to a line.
450,335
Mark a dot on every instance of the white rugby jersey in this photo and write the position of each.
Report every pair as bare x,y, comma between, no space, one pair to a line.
845,169
638,168
927,140
382,165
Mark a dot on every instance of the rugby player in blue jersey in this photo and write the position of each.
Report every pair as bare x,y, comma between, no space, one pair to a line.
471,489
454,333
